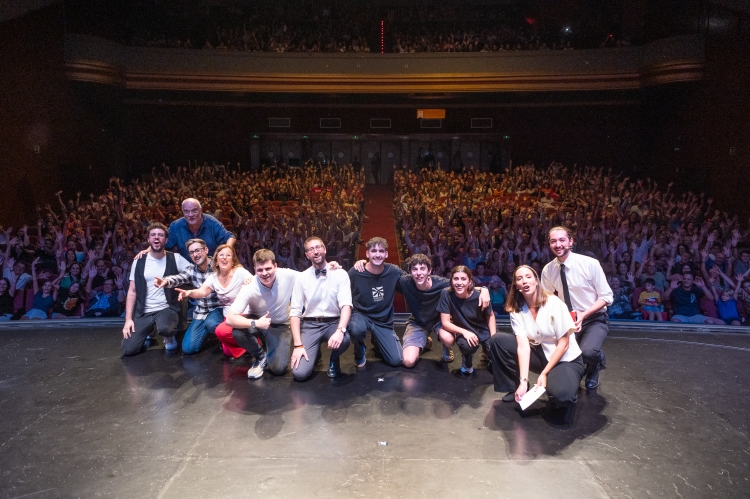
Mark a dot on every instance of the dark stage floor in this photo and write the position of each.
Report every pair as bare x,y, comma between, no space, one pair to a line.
670,419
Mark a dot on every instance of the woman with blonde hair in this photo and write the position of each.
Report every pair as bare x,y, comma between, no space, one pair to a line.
542,342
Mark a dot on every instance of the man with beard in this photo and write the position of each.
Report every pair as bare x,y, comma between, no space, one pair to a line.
146,305
207,313
580,281
326,299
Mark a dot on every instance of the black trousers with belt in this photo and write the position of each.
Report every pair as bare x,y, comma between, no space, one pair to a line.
563,380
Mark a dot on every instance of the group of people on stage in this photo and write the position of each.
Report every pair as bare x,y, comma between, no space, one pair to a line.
559,320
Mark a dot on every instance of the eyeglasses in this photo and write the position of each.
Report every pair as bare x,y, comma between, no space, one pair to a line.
315,248
197,251
191,212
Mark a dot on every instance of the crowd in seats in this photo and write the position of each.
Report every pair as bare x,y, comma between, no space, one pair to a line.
337,26
76,261
654,244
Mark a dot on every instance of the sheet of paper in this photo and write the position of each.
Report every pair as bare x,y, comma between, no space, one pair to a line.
531,396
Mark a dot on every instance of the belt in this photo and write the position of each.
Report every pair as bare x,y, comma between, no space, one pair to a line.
321,319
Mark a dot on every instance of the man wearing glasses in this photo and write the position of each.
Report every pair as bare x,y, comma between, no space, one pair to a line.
207,313
195,224
326,298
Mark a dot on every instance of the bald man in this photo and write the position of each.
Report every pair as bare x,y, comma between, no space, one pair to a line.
196,225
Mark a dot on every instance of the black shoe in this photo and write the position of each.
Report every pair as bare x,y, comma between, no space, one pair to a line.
592,378
509,397
334,369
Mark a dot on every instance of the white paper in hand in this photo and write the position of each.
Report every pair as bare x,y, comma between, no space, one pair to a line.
531,396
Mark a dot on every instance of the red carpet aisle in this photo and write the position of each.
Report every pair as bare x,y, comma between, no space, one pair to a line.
380,223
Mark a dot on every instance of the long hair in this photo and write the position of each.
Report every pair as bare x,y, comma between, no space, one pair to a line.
235,259
465,270
516,301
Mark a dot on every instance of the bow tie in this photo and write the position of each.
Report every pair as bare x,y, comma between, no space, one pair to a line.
319,272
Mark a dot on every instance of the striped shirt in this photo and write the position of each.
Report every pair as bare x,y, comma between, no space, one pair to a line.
195,276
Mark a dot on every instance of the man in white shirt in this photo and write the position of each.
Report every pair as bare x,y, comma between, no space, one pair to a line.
580,282
326,298
267,297
146,305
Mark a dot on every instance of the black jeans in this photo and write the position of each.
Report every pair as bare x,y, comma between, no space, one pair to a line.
165,321
594,331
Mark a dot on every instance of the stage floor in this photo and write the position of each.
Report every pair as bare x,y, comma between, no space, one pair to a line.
669,419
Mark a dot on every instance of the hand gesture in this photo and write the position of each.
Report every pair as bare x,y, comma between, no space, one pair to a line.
699,282
140,255
727,251
159,282
92,272
182,294
264,322
61,267
630,278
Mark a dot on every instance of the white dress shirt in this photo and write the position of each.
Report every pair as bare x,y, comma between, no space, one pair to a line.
586,281
228,294
321,296
274,300
553,321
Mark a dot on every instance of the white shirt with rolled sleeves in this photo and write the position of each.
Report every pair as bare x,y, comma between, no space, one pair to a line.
553,321
586,281
274,300
323,296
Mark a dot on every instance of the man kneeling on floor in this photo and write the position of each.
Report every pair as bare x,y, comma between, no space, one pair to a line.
146,305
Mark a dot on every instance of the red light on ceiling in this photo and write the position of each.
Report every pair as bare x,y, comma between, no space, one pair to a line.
530,20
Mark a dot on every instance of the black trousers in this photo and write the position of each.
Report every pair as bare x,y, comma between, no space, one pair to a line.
563,380
165,321
469,351
593,332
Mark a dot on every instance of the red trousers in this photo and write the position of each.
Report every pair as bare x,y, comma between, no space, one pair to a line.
230,347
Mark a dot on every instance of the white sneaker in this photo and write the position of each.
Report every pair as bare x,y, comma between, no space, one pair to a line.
170,343
256,371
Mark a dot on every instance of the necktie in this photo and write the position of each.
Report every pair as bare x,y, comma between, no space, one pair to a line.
566,291
319,272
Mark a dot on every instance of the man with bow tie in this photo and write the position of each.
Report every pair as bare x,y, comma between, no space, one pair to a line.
326,298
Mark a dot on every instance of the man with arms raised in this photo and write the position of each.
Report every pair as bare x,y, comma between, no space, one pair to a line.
146,305
580,282
422,293
326,298
207,313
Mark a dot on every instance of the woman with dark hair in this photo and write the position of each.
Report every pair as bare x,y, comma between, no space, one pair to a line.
73,276
542,342
69,302
463,320
7,291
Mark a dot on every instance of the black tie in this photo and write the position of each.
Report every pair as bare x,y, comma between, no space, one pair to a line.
323,271
566,292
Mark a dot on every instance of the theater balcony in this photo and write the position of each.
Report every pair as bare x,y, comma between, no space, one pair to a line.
670,60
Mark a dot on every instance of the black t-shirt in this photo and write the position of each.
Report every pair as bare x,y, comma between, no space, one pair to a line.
686,302
66,304
466,313
423,304
6,304
372,294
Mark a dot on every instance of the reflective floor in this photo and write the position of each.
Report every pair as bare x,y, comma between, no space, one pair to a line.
671,418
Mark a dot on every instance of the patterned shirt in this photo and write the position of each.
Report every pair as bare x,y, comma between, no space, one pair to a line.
195,276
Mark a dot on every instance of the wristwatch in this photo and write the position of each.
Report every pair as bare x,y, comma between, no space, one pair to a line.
343,329
252,323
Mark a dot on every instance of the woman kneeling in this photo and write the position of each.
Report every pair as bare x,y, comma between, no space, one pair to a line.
543,343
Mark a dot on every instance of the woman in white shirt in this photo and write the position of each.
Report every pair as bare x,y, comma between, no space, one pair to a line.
543,342
226,281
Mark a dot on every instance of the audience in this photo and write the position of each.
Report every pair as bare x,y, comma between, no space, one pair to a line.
643,235
91,242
